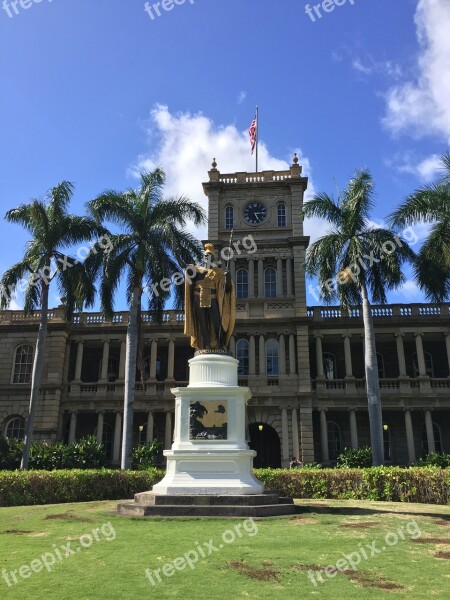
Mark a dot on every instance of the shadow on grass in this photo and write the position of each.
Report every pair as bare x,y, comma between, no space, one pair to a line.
355,511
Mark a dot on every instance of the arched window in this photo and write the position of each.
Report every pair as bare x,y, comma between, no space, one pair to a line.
380,363
15,428
108,440
334,440
281,213
23,364
229,217
242,356
272,365
270,282
242,283
429,369
329,365
437,439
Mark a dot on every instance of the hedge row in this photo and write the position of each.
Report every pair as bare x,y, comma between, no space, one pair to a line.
18,488
390,484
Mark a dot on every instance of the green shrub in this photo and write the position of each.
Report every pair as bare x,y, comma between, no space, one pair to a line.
146,456
87,453
389,484
435,459
312,465
18,488
360,458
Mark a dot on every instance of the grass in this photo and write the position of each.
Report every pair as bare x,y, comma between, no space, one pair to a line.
270,564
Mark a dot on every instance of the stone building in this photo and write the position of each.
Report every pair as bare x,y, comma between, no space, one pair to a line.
304,365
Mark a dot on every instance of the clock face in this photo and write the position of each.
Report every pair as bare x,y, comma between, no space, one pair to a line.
255,213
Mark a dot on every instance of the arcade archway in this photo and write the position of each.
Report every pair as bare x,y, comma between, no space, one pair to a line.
266,441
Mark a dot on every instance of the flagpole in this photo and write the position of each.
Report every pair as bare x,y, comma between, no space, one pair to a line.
257,135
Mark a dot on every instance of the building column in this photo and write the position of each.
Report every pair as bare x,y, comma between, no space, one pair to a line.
295,441
252,356
430,431
105,361
410,438
353,430
153,357
324,436
279,277
260,278
289,286
149,438
233,346
420,355
171,358
262,355
447,345
117,438
233,270
79,362
282,354
251,278
123,353
348,356
73,427
400,355
168,432
319,357
100,421
284,436
292,353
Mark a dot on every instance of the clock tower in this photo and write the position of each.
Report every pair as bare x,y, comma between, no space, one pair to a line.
254,221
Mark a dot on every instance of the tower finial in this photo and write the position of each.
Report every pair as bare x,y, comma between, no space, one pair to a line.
295,159
214,164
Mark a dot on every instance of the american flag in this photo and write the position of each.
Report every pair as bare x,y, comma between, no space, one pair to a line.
253,133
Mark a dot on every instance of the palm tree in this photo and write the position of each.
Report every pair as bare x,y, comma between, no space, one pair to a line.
355,262
153,246
52,229
431,204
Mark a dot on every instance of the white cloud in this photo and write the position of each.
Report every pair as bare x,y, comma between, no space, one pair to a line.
426,170
358,66
241,97
421,106
185,146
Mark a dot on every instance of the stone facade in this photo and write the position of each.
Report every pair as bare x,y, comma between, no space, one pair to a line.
304,365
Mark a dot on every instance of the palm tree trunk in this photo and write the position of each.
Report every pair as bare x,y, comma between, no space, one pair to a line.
130,378
372,384
38,365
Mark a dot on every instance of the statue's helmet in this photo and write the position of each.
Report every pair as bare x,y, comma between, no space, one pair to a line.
209,249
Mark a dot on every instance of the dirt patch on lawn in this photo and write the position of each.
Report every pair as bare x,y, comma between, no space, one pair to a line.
359,525
441,554
433,540
442,522
376,581
16,532
304,521
68,517
254,573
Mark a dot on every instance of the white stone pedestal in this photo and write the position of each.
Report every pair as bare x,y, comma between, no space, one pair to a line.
211,465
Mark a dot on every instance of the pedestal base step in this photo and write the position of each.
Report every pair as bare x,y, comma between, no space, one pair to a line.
149,504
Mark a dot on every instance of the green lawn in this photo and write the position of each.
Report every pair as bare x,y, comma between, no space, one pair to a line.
268,559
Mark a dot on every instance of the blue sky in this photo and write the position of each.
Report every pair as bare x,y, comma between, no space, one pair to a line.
93,91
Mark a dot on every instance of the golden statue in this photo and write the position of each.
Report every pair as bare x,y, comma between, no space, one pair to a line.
210,304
